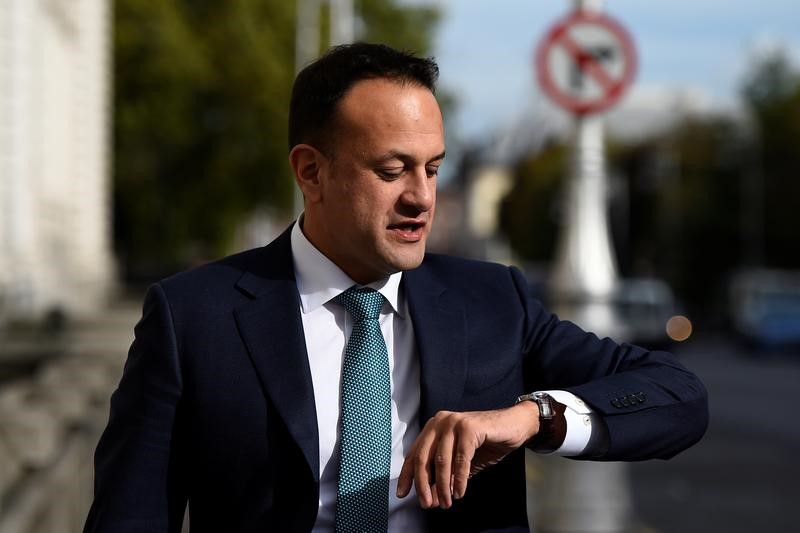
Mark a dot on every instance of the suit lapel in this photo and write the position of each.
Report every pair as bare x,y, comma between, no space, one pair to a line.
440,331
272,330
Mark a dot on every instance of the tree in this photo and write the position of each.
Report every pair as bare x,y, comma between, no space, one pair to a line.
528,214
772,91
691,234
201,91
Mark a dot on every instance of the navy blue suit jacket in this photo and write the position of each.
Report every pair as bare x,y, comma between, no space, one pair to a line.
216,405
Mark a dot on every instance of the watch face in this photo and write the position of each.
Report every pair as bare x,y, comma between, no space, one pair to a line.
545,407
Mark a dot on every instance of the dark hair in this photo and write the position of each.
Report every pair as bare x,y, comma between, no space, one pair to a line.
320,86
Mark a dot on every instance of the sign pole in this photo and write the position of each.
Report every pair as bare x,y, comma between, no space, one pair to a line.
584,276
585,496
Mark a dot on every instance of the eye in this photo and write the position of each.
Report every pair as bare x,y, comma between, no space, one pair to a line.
390,174
432,171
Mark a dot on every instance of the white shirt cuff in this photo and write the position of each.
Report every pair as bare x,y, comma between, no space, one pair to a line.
580,423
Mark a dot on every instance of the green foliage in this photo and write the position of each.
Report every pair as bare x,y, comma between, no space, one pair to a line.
685,205
400,26
773,92
771,80
528,213
201,92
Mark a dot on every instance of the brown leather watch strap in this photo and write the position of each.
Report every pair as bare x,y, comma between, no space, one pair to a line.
552,431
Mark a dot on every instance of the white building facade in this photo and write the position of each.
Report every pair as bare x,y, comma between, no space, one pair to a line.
55,201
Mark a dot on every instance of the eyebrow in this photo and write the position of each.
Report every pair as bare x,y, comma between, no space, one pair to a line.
396,154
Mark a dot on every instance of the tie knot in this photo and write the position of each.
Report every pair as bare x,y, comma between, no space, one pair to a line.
362,303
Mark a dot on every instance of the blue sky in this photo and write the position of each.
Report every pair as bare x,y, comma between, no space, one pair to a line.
485,48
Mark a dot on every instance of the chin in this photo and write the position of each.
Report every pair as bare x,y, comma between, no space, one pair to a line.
409,262
404,257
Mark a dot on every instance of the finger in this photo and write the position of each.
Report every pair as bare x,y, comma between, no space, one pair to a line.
462,462
434,497
406,476
442,460
423,478
421,463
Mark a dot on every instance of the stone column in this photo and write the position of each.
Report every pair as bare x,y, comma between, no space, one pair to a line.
55,245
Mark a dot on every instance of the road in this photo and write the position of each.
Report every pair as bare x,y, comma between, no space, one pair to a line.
744,476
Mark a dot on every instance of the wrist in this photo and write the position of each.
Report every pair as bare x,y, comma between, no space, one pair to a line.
530,413
552,423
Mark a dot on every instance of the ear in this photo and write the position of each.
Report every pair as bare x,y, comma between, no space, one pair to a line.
308,164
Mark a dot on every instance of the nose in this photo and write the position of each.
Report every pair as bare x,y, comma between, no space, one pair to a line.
420,191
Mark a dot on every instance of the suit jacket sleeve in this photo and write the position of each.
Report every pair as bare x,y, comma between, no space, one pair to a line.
669,409
137,485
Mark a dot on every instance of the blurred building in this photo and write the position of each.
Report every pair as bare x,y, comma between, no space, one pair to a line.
55,238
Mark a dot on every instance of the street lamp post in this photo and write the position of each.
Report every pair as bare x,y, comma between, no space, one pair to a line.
307,42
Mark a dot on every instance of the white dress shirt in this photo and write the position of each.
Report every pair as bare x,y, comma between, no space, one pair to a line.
327,327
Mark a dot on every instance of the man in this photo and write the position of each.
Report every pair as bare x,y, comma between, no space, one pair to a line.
316,383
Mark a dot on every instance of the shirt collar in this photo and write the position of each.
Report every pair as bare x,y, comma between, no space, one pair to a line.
319,280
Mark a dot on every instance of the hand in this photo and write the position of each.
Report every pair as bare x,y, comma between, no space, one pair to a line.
453,447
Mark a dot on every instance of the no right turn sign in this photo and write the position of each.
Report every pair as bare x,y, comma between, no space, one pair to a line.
586,62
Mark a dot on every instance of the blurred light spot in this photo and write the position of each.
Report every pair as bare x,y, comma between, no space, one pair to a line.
679,328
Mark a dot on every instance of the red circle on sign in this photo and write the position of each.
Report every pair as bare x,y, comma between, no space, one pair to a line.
613,89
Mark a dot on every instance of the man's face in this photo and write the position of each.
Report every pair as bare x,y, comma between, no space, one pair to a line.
378,183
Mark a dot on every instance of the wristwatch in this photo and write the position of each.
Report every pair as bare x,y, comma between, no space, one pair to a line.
541,398
552,423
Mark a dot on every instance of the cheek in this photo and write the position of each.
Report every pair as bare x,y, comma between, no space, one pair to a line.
372,204
357,209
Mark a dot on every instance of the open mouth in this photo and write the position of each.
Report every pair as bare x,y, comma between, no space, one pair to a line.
406,227
409,231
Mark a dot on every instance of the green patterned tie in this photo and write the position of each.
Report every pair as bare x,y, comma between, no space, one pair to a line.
362,503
